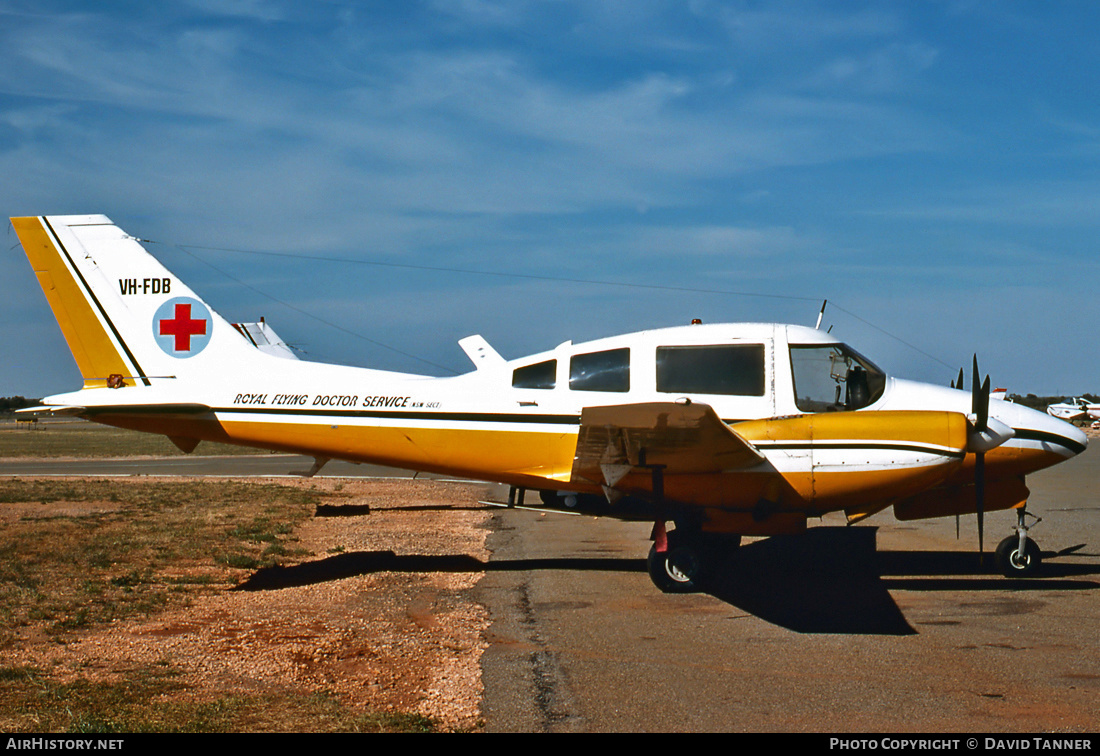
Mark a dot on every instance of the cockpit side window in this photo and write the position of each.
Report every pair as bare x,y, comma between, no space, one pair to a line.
600,371
730,369
834,378
541,375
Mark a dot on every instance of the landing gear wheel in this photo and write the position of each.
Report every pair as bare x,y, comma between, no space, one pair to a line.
675,571
1013,564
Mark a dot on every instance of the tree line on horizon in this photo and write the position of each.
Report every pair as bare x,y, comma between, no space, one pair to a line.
9,404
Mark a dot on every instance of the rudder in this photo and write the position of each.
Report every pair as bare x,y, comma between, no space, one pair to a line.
96,353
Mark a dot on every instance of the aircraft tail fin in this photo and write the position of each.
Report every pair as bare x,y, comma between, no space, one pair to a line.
128,320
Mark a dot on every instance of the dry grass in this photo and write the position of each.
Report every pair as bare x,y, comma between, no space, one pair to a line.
76,438
77,552
147,699
76,555
80,557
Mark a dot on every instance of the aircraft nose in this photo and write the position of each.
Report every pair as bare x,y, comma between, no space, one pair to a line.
1040,431
1045,439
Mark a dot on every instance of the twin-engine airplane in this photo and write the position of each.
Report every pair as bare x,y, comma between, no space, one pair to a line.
723,430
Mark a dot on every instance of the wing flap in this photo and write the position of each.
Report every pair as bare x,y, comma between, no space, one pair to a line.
678,438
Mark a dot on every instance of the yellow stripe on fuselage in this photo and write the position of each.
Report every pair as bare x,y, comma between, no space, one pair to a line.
92,347
945,430
1009,459
521,457
516,456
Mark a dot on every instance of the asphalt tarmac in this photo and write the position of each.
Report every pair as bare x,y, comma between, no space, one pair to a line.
884,627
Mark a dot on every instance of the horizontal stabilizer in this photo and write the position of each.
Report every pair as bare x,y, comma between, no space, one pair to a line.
176,408
68,410
58,410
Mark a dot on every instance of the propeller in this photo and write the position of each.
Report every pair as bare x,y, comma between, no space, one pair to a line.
980,406
958,384
986,433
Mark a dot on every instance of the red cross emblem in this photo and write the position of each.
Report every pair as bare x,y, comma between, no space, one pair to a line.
182,327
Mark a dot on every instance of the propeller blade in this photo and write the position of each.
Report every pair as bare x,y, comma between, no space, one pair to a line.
983,414
974,388
979,494
980,407
959,383
979,402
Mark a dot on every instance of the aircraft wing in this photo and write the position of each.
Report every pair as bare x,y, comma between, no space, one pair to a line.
681,438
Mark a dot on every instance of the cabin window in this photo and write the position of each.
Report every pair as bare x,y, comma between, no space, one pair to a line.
732,369
834,378
541,375
600,371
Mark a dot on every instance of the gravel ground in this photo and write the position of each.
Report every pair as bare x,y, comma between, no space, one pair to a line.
381,615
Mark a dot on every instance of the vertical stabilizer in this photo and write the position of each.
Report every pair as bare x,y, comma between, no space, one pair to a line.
127,319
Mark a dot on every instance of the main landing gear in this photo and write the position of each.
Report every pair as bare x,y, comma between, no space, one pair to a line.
679,561
1018,556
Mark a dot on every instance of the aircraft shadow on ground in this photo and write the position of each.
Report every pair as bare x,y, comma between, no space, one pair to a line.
367,562
824,581
827,580
835,580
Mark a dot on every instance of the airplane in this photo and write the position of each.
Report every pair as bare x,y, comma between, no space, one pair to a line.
721,430
1073,409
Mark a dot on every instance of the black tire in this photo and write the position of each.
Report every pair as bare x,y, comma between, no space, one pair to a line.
1009,561
676,570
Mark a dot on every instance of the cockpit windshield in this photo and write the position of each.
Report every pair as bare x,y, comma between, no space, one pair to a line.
834,378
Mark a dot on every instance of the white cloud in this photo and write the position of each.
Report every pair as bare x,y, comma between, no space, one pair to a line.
880,71
798,148
257,10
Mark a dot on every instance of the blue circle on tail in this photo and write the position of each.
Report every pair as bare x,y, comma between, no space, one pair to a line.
182,327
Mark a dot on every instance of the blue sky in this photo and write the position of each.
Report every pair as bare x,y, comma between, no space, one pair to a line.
929,167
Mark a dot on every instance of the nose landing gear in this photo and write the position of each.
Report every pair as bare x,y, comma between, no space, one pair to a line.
1018,556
